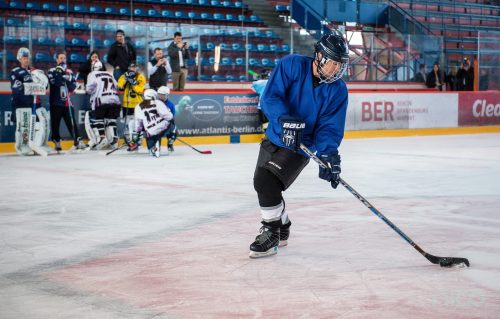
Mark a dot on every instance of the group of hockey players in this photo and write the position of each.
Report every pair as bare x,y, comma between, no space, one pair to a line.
145,112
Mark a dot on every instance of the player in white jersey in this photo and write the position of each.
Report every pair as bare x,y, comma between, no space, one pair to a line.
105,105
153,118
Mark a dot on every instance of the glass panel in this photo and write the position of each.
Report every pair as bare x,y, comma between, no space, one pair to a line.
489,61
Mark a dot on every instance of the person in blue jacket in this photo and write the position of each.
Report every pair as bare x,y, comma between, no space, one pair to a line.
305,101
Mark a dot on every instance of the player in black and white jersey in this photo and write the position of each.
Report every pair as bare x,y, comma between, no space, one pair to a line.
105,105
153,118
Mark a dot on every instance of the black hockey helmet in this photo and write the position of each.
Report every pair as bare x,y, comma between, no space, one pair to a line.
332,46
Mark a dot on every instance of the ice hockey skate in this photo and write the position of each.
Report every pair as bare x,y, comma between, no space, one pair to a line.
266,243
284,234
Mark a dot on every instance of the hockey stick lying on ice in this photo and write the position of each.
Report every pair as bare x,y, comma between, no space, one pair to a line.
116,149
442,261
201,152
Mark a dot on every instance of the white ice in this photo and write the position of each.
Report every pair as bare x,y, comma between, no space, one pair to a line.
131,236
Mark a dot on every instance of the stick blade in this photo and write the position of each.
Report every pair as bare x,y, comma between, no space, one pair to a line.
206,152
447,261
453,261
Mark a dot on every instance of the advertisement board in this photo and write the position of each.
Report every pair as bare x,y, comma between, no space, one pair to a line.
196,115
479,108
375,111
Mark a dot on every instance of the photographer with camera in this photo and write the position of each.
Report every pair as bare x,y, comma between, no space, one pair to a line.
465,76
178,52
132,83
158,70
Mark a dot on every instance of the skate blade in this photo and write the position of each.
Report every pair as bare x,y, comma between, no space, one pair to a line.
258,254
283,243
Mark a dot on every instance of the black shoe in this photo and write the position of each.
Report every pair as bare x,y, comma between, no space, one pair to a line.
285,233
266,243
57,145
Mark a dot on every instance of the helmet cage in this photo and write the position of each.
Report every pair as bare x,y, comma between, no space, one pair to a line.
328,54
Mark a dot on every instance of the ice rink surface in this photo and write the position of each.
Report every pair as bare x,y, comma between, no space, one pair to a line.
131,236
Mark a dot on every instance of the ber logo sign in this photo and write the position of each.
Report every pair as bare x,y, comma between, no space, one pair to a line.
377,111
479,108
381,110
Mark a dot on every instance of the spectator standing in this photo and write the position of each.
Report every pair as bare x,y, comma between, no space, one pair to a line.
421,76
435,78
465,76
86,67
158,70
178,52
121,55
451,79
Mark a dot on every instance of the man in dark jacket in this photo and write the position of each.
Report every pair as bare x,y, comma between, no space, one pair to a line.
158,70
178,51
465,76
121,55
421,76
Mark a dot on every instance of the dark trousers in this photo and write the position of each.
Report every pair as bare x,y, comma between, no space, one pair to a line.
151,140
277,168
58,112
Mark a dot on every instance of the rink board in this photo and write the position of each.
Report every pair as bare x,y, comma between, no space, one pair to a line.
232,117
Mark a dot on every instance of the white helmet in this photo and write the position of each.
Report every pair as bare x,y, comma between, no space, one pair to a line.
164,90
97,66
149,94
22,53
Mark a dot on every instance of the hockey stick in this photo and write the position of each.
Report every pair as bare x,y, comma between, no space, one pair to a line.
71,115
116,149
442,261
201,152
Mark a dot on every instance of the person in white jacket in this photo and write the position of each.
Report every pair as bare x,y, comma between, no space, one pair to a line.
152,117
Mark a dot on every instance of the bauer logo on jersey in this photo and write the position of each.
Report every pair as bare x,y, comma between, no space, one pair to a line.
294,126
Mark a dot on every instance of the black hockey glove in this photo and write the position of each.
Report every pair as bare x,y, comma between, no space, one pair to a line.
291,132
130,77
331,174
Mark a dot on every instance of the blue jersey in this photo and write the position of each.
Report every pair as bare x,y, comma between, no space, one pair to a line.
290,94
19,76
171,107
61,84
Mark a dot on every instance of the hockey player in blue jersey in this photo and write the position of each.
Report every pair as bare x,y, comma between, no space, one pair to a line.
30,137
62,84
305,101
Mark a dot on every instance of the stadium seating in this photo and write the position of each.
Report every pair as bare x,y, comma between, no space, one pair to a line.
43,57
79,26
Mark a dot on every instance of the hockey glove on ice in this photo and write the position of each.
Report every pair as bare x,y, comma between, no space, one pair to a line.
291,132
331,174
